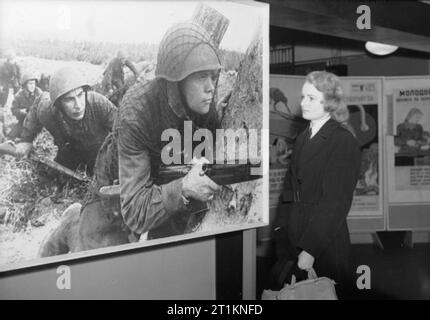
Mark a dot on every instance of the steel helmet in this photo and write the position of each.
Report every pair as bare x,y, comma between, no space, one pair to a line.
64,80
185,48
30,75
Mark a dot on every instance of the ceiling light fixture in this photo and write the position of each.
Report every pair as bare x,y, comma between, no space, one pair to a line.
380,49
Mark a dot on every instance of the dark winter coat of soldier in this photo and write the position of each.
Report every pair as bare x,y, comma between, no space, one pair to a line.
184,88
10,77
114,72
113,82
78,119
23,100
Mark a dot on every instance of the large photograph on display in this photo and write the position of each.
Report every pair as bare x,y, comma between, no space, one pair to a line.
130,124
363,98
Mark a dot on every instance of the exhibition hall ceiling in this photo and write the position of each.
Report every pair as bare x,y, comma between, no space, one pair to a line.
400,23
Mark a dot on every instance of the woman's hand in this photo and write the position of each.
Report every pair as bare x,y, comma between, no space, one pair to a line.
306,261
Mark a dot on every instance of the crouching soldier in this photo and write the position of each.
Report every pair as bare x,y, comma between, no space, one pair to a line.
182,93
23,100
78,119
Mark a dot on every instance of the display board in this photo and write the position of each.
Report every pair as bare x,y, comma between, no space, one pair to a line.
407,104
139,199
363,96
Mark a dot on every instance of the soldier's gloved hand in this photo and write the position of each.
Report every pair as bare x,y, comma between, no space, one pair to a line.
110,91
197,185
23,149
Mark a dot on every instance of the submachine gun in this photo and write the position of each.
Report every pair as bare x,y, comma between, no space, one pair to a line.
221,174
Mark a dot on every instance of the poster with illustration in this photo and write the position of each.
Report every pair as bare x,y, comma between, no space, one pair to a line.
411,126
407,141
407,105
286,122
363,98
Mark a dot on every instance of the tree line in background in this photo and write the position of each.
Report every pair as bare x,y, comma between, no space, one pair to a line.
101,53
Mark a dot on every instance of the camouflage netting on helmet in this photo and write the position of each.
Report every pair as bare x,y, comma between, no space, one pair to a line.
179,42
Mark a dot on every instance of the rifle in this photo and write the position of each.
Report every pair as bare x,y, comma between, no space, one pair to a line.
8,147
221,174
58,167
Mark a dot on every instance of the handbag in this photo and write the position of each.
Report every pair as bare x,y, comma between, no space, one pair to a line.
313,288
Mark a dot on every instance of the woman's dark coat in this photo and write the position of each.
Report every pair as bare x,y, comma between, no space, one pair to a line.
316,199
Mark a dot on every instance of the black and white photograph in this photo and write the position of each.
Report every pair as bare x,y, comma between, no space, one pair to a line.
122,133
227,150
357,53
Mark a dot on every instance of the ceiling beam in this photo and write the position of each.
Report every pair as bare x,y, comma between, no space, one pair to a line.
397,23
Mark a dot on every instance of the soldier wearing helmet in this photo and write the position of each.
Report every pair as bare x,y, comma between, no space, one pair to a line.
188,66
10,76
78,119
23,100
184,90
114,74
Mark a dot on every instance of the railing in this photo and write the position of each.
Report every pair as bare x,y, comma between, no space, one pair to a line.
282,56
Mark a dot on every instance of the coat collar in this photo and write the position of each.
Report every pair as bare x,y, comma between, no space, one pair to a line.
174,99
307,151
37,92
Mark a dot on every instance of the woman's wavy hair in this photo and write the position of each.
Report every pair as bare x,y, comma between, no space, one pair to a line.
334,103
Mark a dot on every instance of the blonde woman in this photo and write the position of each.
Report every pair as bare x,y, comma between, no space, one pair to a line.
311,227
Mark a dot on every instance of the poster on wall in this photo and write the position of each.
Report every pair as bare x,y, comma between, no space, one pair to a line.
187,83
412,138
286,122
408,139
363,98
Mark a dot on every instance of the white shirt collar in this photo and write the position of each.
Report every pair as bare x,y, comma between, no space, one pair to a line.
316,125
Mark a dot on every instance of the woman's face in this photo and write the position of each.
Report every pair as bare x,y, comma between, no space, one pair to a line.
312,103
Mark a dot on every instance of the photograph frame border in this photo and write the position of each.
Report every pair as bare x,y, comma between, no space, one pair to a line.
176,240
